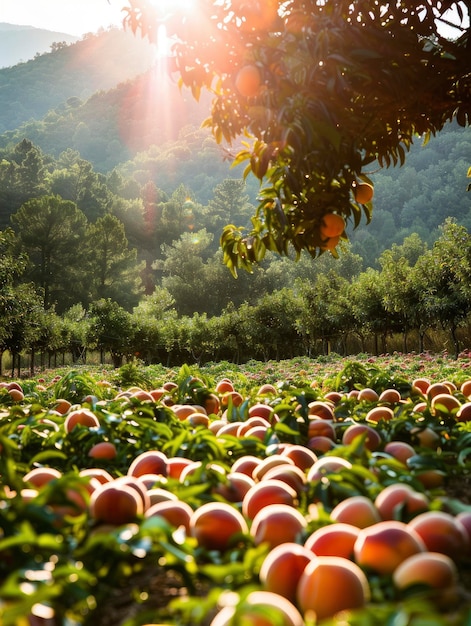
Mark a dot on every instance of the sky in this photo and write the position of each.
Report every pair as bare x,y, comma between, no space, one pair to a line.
75,17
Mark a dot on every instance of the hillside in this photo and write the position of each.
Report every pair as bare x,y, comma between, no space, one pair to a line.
98,62
19,44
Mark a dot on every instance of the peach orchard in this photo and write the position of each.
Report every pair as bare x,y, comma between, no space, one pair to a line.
304,495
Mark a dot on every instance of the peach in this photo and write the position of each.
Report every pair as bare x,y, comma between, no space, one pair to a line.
235,487
83,417
267,492
261,410
379,413
465,388
400,450
290,474
432,569
175,465
464,518
320,444
398,500
435,389
217,526
333,396
383,546
96,472
327,465
444,404
421,385
149,462
211,404
333,540
372,439
357,511
368,395
231,397
302,456
176,512
277,523
390,396
441,533
330,584
426,437
321,409
464,413
269,463
158,494
139,487
116,504
246,464
267,389
256,420
40,476
103,450
282,568
260,608
62,406
224,386
319,427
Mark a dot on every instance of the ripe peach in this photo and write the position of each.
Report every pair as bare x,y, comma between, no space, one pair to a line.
357,511
426,437
176,512
435,389
321,409
398,500
211,404
379,413
368,395
383,546
390,396
372,439
224,385
103,450
330,584
269,463
149,462
400,450
289,474
139,487
420,385
327,465
433,569
159,494
282,568
464,413
444,404
175,465
40,476
16,395
333,396
259,409
302,456
320,444
62,406
277,523
114,503
257,432
96,472
231,397
250,423
246,464
260,608
267,492
465,388
319,427
333,540
267,389
83,416
464,518
441,533
236,486
217,525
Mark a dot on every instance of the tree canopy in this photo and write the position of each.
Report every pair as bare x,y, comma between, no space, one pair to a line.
320,92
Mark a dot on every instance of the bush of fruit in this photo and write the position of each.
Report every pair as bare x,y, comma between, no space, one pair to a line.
314,506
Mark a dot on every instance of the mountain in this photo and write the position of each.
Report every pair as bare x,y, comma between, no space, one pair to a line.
97,62
19,44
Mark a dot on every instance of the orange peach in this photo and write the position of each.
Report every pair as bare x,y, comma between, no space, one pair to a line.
103,450
175,465
390,396
290,474
420,385
357,511
321,409
319,427
379,414
149,462
433,569
400,450
269,463
368,395
398,500
330,584
435,389
302,456
267,492
176,512
282,568
444,404
246,464
464,413
383,546
117,504
235,487
333,540
441,533
327,465
217,526
372,439
277,523
83,417
40,476
320,444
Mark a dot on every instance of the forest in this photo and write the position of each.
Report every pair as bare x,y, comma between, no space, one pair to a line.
110,225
